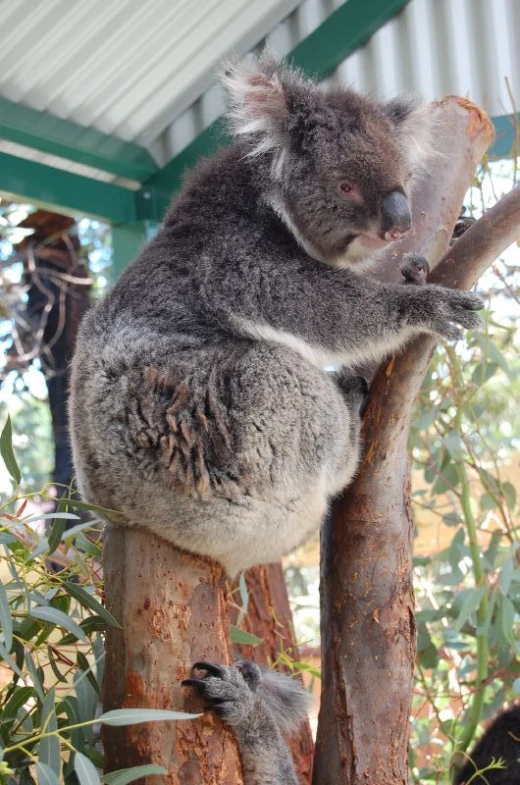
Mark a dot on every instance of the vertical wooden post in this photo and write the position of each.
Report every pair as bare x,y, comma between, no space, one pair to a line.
368,629
172,609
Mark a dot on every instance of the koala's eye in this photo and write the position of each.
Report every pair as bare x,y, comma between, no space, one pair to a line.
348,190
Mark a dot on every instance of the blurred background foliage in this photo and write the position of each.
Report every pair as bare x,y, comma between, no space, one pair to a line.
465,481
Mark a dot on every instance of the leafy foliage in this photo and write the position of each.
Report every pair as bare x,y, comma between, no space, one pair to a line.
464,440
51,649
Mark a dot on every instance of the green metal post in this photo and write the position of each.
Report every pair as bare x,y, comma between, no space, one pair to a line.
127,241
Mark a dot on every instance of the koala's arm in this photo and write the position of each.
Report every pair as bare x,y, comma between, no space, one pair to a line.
258,713
335,315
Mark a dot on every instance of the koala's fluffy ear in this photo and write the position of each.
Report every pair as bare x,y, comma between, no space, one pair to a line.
258,102
414,122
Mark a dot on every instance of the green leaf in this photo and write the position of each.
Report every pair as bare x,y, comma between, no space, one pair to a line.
54,616
86,772
88,601
6,620
449,478
58,527
119,717
487,502
35,676
236,635
50,745
52,662
6,450
18,699
516,686
48,516
469,606
45,775
506,576
83,664
509,492
4,654
429,657
124,776
507,619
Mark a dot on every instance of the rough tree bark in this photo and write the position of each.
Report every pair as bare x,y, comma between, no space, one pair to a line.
367,602
173,611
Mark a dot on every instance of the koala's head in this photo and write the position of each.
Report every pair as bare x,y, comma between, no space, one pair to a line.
337,166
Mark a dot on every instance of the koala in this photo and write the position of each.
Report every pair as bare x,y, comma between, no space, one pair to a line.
262,707
501,741
200,408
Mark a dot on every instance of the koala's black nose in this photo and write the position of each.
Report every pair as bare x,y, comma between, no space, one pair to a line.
396,218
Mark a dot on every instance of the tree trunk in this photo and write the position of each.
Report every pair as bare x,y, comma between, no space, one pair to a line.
367,602
172,608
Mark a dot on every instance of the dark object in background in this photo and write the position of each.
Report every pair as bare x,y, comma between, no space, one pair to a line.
57,298
463,224
501,740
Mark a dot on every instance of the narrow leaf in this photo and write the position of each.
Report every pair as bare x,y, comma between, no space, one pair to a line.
45,775
47,516
469,606
50,745
236,635
133,716
4,654
124,776
86,772
18,699
6,450
88,601
35,677
6,620
54,616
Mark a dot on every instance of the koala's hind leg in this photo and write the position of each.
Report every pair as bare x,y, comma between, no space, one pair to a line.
354,388
264,753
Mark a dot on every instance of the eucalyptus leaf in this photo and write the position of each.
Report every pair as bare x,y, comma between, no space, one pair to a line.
6,620
236,635
86,772
7,452
118,717
45,775
124,776
88,601
54,616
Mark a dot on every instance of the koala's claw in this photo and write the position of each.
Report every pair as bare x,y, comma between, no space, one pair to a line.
224,690
210,667
250,672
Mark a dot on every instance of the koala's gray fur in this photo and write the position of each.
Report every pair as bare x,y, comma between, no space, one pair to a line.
199,407
261,706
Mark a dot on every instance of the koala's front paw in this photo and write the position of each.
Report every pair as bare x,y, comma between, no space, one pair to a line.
415,269
225,690
452,309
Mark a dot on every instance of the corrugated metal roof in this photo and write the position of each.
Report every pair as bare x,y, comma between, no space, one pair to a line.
144,70
124,67
433,47
438,47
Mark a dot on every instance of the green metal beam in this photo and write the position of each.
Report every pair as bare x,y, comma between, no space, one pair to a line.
49,134
507,140
344,31
61,190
